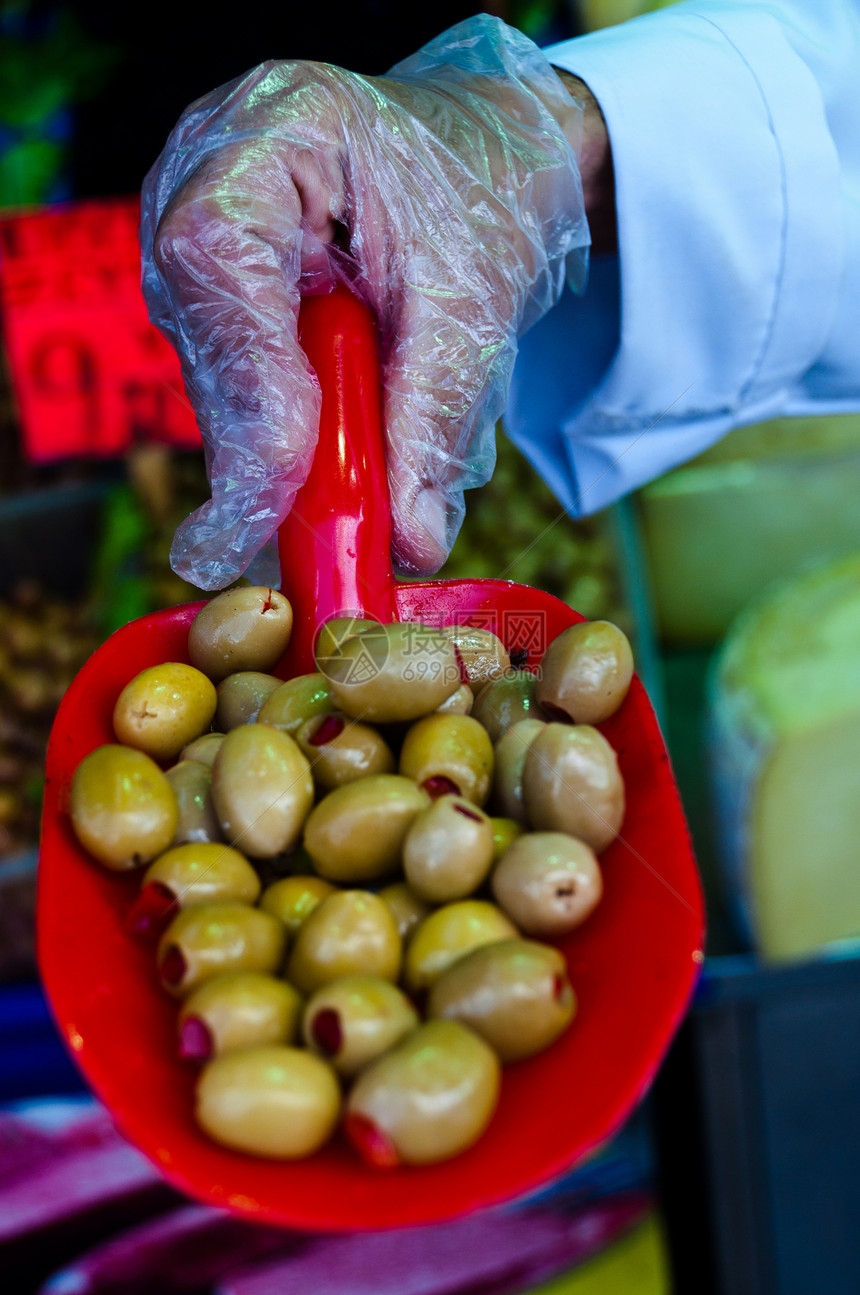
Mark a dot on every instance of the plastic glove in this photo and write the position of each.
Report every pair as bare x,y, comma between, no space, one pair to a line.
446,192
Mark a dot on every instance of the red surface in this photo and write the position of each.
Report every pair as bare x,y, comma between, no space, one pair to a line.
92,376
633,965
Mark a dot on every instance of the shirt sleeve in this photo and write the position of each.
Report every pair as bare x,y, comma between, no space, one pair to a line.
735,295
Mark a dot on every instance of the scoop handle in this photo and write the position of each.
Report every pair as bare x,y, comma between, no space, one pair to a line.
335,545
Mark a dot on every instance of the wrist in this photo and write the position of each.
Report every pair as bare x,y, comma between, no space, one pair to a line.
590,142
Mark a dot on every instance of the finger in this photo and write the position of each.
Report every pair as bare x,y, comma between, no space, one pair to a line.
227,262
445,385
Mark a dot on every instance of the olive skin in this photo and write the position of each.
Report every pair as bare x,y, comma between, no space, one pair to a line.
341,750
163,708
449,933
203,749
123,808
427,1099
448,850
510,754
192,785
505,832
239,1009
354,1020
204,872
483,654
207,939
572,784
452,747
515,994
295,702
505,701
356,832
548,883
279,1102
292,899
459,703
409,911
336,631
349,933
246,628
240,697
393,672
585,673
262,790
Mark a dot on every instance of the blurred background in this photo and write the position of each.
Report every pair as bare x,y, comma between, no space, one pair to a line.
737,578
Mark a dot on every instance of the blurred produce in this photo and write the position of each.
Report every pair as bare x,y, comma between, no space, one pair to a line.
607,13
44,640
516,530
784,754
766,498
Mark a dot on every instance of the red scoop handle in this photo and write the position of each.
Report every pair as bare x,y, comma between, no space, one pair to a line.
335,545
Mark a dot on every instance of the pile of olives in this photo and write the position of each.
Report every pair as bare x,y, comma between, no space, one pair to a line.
352,876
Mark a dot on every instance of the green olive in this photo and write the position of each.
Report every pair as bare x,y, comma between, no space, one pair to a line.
351,932
515,994
505,701
449,752
409,911
340,750
295,702
448,934
505,831
483,654
427,1099
239,1009
393,672
192,785
459,703
356,832
207,939
203,749
123,808
336,631
510,755
278,1102
262,789
292,899
572,784
353,1020
240,696
246,628
448,850
164,708
548,883
204,872
585,673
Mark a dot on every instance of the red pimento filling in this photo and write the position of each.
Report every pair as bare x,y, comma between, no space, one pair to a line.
560,986
152,911
461,665
439,785
468,813
327,1031
330,728
195,1040
173,966
374,1146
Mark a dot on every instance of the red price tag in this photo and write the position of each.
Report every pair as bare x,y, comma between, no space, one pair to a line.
92,376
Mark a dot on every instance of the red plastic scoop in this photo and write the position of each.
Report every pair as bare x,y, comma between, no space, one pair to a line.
633,964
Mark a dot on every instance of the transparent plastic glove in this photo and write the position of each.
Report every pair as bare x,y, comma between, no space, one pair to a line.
446,192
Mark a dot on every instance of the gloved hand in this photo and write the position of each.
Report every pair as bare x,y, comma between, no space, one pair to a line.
447,192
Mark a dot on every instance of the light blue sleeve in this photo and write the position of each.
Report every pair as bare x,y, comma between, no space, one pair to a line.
735,295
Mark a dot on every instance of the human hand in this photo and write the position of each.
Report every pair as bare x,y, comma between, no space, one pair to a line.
447,193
